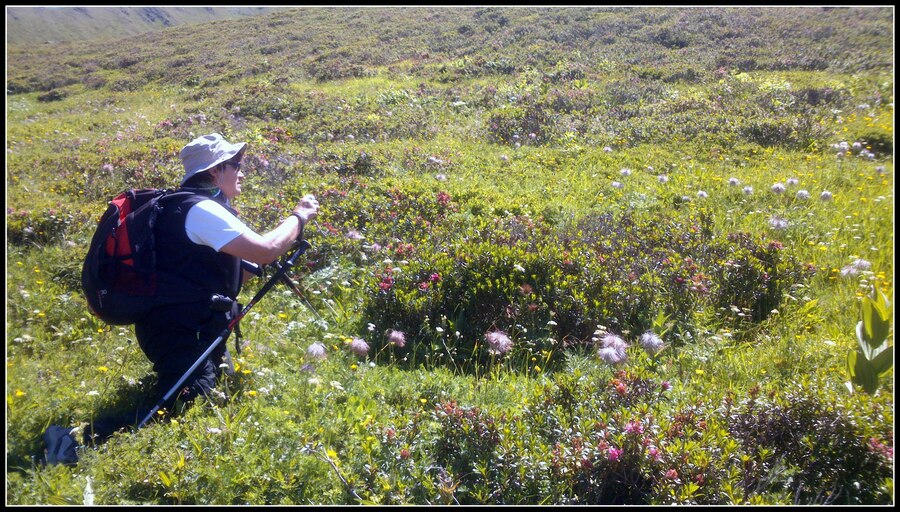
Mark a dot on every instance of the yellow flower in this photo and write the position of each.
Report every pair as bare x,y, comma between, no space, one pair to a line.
252,393
698,371
103,369
20,393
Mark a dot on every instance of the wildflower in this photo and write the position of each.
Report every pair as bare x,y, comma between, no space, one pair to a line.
826,196
880,169
441,177
359,347
625,172
612,349
614,453
634,427
733,182
778,188
748,190
396,338
654,452
616,184
671,474
702,194
607,149
354,235
504,158
663,178
316,351
792,181
803,195
666,385
855,267
498,342
651,342
778,222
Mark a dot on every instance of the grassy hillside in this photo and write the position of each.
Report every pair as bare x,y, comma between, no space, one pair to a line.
50,25
535,198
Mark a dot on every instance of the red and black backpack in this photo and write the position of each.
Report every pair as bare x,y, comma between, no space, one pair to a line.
120,278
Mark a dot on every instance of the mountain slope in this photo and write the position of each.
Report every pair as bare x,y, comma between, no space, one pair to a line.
36,25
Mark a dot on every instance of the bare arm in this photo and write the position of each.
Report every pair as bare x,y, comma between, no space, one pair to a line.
264,249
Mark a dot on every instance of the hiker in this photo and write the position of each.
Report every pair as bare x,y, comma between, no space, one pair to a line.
200,239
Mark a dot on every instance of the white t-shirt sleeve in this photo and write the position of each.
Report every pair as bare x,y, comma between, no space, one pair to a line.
209,223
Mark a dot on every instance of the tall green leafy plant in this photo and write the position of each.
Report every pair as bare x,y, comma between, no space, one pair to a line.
874,357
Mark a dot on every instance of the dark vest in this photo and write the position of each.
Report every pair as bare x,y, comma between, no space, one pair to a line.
199,264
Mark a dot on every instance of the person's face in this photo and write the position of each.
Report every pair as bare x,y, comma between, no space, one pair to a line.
229,178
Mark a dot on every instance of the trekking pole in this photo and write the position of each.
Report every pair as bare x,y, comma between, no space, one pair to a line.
282,271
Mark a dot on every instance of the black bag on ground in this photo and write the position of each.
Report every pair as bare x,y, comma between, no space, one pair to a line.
60,446
119,277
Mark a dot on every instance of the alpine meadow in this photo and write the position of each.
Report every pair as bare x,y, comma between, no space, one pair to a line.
564,256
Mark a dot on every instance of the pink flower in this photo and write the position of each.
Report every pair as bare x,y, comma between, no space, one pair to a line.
654,452
359,347
498,342
671,474
634,427
397,338
666,385
614,453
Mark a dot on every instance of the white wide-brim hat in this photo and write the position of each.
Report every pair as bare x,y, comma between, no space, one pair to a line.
207,152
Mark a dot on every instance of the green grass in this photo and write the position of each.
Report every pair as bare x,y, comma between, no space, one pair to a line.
413,128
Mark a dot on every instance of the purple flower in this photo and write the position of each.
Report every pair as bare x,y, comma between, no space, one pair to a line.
778,222
634,427
803,195
397,338
778,188
733,182
498,342
748,190
651,342
826,196
359,347
662,178
316,351
855,267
